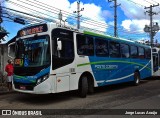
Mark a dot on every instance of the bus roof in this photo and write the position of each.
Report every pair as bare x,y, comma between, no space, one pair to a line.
89,31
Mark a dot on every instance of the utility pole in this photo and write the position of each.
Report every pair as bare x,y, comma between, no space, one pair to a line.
115,16
0,18
78,14
150,29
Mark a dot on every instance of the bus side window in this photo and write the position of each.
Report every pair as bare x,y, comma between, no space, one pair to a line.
114,49
85,45
134,51
124,50
141,52
101,47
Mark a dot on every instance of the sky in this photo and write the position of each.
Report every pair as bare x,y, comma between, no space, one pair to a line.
97,14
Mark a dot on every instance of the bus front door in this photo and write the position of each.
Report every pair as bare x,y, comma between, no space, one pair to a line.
155,63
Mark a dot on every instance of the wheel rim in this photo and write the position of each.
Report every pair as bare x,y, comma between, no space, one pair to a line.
137,80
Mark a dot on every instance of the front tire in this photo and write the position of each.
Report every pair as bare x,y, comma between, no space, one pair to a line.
90,87
83,87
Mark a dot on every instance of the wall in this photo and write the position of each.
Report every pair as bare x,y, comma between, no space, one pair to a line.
3,57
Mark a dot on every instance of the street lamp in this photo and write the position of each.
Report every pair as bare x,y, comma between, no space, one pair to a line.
156,27
147,28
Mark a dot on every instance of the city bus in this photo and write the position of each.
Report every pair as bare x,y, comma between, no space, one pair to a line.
156,61
51,58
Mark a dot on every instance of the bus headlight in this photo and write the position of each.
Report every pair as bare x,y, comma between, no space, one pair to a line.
39,81
43,78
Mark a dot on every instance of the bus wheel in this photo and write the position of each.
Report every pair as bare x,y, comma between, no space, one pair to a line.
83,87
90,86
136,78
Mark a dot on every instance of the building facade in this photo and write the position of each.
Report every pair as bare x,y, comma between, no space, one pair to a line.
4,56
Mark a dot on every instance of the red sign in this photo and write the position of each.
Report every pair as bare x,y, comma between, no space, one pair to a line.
34,30
18,62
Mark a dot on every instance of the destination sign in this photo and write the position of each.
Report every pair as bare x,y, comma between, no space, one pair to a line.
18,62
33,30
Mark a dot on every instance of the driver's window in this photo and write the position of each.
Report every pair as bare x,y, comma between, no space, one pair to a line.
63,52
67,50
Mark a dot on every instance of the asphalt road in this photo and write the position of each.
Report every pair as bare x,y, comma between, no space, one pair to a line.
110,101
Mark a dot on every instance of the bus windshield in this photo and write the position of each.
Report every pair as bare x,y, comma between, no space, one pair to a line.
34,51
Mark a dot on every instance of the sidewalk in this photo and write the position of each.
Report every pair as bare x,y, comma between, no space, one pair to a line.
4,89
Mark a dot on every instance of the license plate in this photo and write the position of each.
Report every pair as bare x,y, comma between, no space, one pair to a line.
22,87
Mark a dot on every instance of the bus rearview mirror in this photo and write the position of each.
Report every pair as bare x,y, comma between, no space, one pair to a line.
59,44
11,54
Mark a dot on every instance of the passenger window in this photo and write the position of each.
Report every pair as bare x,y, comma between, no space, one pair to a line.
114,49
124,51
85,45
134,52
101,47
141,53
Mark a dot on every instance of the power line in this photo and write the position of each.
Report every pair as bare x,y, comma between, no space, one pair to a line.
8,10
136,3
50,20
148,2
101,26
23,6
85,21
64,12
40,8
47,8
